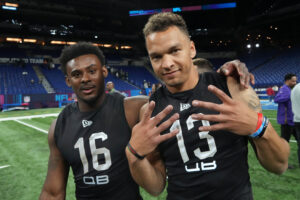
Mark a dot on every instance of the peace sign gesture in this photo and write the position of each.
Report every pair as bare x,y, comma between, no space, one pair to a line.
146,134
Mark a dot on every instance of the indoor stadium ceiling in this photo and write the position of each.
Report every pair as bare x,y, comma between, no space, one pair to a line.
108,21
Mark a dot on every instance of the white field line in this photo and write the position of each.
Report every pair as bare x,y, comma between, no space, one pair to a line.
29,117
47,115
4,166
31,126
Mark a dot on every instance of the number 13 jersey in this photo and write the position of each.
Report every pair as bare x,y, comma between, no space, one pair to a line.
202,165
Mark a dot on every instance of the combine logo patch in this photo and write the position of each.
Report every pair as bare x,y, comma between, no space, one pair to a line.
184,106
86,123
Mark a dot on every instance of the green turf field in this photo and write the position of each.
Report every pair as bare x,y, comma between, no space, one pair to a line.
26,152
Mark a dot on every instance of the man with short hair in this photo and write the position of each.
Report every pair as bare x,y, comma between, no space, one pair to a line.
90,135
208,157
284,111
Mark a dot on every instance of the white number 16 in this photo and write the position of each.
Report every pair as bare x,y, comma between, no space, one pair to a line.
95,152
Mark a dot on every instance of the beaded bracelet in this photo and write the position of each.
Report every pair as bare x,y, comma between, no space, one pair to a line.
134,152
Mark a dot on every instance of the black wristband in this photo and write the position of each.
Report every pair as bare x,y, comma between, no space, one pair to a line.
134,152
264,128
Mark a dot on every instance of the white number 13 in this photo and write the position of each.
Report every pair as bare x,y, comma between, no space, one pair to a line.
203,135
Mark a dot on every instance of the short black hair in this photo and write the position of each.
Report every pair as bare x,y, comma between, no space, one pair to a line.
79,49
289,76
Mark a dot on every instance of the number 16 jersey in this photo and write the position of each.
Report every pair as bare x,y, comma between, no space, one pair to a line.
93,144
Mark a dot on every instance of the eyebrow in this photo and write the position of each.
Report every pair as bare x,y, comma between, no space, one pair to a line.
151,55
173,47
176,45
76,70
89,66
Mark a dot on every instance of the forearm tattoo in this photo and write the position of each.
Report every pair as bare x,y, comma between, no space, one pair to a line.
254,103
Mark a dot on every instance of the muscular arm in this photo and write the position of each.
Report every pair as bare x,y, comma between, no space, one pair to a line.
149,172
271,150
58,170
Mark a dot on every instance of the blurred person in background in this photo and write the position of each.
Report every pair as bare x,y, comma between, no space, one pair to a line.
284,110
295,98
275,88
270,93
154,87
110,87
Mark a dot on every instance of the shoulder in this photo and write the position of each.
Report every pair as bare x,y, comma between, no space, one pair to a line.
136,100
70,108
212,77
216,79
296,90
66,112
158,93
58,125
284,88
132,106
115,95
51,136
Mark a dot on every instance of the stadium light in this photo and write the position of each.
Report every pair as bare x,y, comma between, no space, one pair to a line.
29,40
11,4
126,47
57,42
71,43
9,8
14,40
53,31
248,46
257,45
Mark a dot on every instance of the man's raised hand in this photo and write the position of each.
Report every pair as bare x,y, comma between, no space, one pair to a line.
146,135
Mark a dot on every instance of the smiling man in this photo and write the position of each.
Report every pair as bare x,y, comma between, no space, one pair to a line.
90,135
213,120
